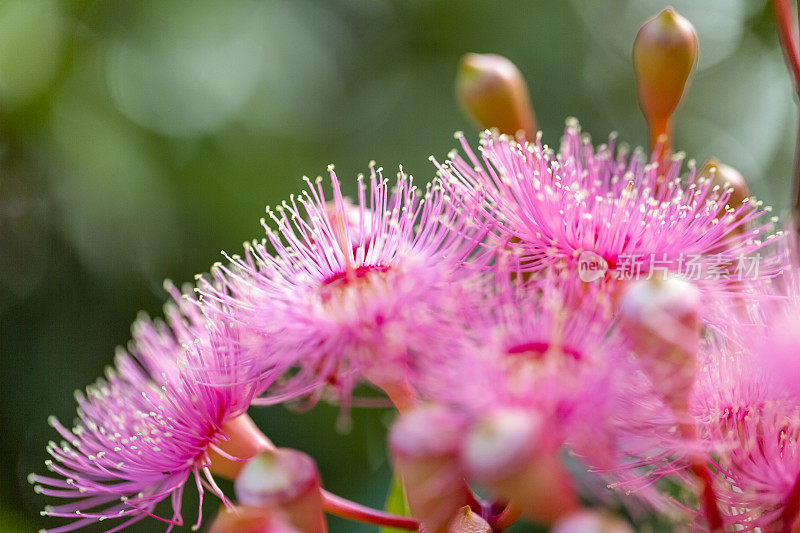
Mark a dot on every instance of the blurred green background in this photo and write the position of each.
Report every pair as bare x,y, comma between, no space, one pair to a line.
138,139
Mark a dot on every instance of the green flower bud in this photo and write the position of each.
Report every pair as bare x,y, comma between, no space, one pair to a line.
664,56
493,93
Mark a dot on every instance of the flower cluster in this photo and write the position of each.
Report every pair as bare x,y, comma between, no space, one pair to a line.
552,208
463,301
557,329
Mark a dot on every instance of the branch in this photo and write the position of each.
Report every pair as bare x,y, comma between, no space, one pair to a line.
344,508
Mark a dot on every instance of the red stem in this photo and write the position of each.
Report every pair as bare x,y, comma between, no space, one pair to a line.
787,31
506,518
703,473
699,467
796,170
792,508
790,42
336,505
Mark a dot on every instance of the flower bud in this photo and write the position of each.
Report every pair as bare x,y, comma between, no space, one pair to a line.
726,177
664,55
467,521
245,440
425,444
493,93
250,520
661,318
585,521
287,481
511,453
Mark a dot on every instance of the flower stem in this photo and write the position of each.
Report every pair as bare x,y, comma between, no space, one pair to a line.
661,139
790,42
507,517
344,508
787,31
796,173
699,467
703,473
792,508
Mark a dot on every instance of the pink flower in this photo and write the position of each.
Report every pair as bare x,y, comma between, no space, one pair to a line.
546,346
151,424
636,217
353,290
747,406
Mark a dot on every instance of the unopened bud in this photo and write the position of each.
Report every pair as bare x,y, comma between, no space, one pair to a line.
585,521
244,440
726,177
493,93
286,481
467,521
664,55
662,320
425,445
250,520
511,452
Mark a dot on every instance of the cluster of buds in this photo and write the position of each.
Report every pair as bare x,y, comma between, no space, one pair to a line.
436,451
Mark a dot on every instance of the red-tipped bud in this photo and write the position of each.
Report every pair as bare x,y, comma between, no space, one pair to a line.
467,521
493,93
511,452
425,444
245,440
591,522
664,55
250,520
662,320
726,177
285,481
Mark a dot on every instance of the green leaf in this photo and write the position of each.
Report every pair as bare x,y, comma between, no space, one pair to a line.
396,503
